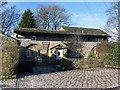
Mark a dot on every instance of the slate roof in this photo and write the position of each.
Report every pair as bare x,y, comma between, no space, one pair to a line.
67,30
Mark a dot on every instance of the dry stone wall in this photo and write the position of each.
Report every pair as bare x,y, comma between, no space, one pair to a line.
9,55
68,63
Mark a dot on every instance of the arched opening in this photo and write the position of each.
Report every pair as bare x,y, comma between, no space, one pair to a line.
93,50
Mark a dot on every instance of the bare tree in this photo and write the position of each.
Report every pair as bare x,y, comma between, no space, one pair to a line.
51,17
113,19
103,48
2,3
42,15
74,43
59,16
10,17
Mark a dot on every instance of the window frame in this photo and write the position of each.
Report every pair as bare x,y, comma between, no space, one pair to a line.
34,38
30,53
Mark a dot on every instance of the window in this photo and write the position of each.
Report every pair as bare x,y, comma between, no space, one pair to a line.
34,38
74,52
77,52
89,39
17,36
96,40
30,53
93,51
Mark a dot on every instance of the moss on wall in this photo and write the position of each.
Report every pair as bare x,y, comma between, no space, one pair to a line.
10,57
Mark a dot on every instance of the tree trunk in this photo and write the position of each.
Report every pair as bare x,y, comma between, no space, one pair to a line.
48,25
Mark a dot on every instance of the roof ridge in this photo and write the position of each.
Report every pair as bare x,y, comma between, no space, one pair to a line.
81,27
33,29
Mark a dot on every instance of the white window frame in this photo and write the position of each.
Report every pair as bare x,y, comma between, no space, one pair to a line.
33,38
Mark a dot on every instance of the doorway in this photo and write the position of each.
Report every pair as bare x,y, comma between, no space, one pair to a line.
59,54
39,57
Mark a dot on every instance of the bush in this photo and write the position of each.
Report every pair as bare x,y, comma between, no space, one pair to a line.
65,54
53,56
103,48
90,54
114,55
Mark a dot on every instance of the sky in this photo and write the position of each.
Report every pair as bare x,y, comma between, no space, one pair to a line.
84,14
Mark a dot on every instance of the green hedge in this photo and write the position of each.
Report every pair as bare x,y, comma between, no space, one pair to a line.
114,56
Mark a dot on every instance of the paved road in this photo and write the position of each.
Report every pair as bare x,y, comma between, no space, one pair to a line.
44,69
90,78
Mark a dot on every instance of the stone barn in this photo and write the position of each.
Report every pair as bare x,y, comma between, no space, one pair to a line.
41,44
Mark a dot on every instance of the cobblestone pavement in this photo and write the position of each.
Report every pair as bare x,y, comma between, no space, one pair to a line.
90,78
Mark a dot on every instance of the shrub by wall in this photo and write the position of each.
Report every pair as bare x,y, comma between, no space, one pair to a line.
90,54
68,64
114,55
10,56
103,48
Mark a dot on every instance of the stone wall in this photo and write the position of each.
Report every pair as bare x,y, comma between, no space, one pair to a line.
35,45
26,41
68,63
87,47
10,56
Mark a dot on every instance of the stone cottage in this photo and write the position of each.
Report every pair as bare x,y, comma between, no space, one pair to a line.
38,44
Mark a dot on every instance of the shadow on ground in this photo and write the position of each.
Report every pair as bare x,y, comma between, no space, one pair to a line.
2,86
41,69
